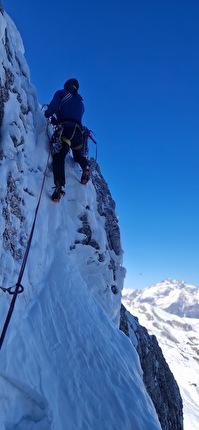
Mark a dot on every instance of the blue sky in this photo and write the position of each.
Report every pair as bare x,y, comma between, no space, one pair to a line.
137,62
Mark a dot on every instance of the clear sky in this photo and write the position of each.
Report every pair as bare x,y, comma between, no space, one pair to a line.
137,62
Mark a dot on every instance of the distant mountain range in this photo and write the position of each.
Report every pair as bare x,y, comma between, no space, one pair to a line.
173,296
170,311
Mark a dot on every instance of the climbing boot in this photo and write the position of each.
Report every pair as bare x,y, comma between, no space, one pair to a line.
58,193
85,176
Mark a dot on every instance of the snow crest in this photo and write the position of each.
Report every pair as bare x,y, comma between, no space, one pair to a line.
64,362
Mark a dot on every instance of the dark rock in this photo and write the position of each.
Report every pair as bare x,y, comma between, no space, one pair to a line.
157,376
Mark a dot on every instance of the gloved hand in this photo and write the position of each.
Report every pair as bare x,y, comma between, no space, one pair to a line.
53,120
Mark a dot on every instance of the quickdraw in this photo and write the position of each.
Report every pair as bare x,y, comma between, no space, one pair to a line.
11,290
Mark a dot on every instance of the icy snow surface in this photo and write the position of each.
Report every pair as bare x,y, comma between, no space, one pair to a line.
64,364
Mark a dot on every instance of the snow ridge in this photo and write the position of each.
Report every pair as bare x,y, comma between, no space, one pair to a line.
64,362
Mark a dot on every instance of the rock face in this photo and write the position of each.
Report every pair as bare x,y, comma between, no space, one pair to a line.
106,208
22,128
158,378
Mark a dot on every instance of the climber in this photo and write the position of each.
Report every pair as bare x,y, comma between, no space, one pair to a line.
67,105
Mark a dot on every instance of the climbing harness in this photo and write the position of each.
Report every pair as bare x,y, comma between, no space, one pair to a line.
18,288
69,141
57,138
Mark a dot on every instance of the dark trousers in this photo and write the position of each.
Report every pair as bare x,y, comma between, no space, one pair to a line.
59,161
58,165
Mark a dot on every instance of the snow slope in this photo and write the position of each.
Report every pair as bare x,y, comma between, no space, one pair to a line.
64,363
177,336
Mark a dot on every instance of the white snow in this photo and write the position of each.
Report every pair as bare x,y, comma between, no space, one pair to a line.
177,336
64,363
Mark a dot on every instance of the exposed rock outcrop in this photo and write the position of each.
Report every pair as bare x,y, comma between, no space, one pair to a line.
157,376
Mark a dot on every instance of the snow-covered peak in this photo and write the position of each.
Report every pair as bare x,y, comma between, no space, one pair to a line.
161,309
176,297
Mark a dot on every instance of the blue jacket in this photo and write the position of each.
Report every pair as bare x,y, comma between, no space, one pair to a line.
66,106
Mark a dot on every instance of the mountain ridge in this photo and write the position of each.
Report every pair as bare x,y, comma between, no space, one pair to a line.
174,296
177,335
